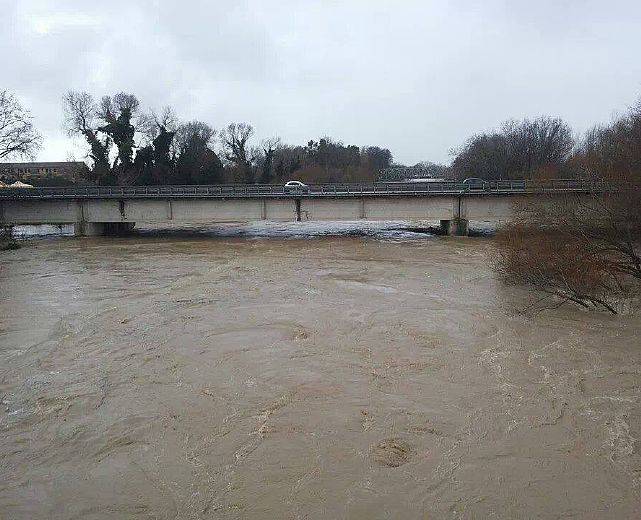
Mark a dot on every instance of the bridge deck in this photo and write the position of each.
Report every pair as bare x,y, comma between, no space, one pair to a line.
252,191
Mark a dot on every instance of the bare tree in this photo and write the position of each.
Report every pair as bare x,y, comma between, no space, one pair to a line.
523,149
196,162
81,116
235,139
80,112
18,137
266,159
194,133
542,143
103,125
111,107
154,162
151,124
270,144
287,160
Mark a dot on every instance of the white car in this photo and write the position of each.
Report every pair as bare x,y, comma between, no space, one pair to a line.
474,183
296,186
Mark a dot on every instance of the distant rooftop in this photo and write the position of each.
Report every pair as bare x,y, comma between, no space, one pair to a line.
41,164
69,170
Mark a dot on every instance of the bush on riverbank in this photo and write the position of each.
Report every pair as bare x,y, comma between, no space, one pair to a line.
563,266
9,245
584,248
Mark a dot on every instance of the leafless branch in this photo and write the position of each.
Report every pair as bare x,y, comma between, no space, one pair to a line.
18,137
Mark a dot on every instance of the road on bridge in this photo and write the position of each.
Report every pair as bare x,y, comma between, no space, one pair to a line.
311,191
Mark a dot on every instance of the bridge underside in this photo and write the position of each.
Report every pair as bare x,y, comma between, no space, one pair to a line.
95,216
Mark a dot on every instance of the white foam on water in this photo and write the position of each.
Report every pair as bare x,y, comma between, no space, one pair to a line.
390,230
42,230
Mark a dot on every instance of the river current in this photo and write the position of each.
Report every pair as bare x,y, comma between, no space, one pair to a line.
284,371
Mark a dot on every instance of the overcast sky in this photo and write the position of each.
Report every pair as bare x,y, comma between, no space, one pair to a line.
417,77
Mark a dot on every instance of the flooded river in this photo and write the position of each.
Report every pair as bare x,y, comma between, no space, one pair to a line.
281,373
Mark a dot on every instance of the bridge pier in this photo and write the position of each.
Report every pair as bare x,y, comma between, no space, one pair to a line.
455,227
118,228
92,229
6,231
88,229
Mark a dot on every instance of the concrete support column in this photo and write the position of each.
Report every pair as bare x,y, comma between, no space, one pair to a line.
456,227
92,229
6,231
298,212
118,228
88,229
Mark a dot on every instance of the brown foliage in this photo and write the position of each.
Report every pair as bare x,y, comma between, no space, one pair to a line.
585,249
554,265
321,174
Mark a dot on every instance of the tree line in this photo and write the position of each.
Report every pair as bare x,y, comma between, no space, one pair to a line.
539,148
128,146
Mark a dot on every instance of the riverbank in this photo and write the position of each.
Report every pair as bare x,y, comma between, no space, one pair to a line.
9,245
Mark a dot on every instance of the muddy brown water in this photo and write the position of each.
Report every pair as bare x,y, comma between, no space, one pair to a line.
169,376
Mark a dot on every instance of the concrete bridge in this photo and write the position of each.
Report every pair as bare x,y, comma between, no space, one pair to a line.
94,210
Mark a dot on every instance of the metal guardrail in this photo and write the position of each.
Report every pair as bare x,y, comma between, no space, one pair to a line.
311,191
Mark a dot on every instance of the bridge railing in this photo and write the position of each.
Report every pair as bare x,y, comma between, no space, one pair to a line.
313,190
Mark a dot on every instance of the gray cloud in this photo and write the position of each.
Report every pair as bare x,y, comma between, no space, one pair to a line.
418,77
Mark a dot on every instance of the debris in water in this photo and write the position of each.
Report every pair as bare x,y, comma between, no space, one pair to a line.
392,452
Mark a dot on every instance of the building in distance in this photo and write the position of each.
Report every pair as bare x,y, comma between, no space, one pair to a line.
421,172
58,173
